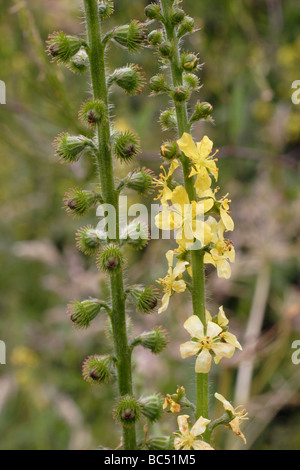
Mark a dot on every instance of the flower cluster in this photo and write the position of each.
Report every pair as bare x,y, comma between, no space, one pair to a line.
199,224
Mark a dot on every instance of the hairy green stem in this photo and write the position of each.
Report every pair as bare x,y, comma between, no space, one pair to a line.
198,289
96,51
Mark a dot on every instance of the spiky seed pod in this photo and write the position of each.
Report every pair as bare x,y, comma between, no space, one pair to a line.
89,240
136,234
79,63
141,181
129,78
156,340
158,84
111,260
152,11
166,50
146,298
191,81
99,370
152,407
176,16
62,47
93,111
127,411
169,150
70,148
168,119
126,146
82,313
132,36
202,111
159,443
77,201
156,37
105,9
186,27
189,62
109,330
180,94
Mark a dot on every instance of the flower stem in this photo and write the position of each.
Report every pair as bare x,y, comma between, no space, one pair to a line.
96,51
198,289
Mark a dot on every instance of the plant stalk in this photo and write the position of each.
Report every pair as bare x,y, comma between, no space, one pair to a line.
197,262
96,51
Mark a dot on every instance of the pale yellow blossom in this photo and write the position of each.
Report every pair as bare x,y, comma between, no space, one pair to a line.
190,439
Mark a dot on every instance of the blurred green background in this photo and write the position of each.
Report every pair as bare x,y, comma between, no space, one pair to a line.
251,51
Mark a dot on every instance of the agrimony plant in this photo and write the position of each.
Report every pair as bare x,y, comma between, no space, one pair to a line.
200,219
102,144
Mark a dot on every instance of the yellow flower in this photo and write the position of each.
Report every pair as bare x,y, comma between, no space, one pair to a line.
203,162
238,416
165,193
205,344
222,252
223,322
174,407
187,439
170,283
186,218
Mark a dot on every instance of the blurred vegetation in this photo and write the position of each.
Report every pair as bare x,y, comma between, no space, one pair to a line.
251,51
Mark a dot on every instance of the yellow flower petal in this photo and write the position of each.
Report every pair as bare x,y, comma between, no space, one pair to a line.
200,426
183,424
194,327
203,362
187,146
189,349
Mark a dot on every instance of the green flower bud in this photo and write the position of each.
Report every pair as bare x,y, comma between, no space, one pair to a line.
132,36
152,11
152,407
191,81
129,78
93,111
62,48
169,150
202,111
79,63
146,298
156,340
127,411
77,201
176,15
166,50
189,62
168,119
181,94
69,148
89,240
156,37
158,84
141,181
186,27
159,443
82,313
111,260
99,370
126,146
136,234
105,9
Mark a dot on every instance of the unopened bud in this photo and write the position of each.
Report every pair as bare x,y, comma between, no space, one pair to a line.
169,150
111,260
126,146
141,181
127,411
78,201
152,407
93,111
202,111
99,370
168,119
105,9
82,313
186,27
69,148
129,78
89,240
156,37
132,36
152,11
62,47
166,50
176,15
158,84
